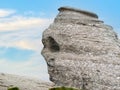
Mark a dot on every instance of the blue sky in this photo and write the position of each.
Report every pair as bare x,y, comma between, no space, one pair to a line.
23,21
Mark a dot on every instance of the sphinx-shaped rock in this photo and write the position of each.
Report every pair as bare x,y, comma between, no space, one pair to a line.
81,51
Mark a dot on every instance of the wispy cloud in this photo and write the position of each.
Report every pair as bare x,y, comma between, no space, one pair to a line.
24,44
23,31
22,22
34,44
6,12
30,40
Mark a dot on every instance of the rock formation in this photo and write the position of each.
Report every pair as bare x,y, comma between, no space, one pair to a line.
23,83
81,51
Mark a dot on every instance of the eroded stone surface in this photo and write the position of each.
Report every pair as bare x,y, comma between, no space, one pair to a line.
81,51
24,83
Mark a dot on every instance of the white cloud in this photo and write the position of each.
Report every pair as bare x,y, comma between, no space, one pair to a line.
35,45
22,40
20,31
6,12
24,32
24,45
21,22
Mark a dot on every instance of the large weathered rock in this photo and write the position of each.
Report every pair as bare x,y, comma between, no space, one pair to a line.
7,80
81,51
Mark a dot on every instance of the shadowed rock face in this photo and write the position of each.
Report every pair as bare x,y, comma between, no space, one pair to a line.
81,51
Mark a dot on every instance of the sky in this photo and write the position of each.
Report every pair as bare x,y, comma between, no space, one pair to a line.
22,23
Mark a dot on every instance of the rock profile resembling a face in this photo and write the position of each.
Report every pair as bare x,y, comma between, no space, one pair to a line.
81,51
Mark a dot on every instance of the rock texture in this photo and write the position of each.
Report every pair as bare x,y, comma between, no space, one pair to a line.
81,51
7,80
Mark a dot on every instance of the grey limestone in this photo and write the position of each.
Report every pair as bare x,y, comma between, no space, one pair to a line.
81,51
22,82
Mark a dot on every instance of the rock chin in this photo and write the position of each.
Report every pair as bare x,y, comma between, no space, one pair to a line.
81,51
